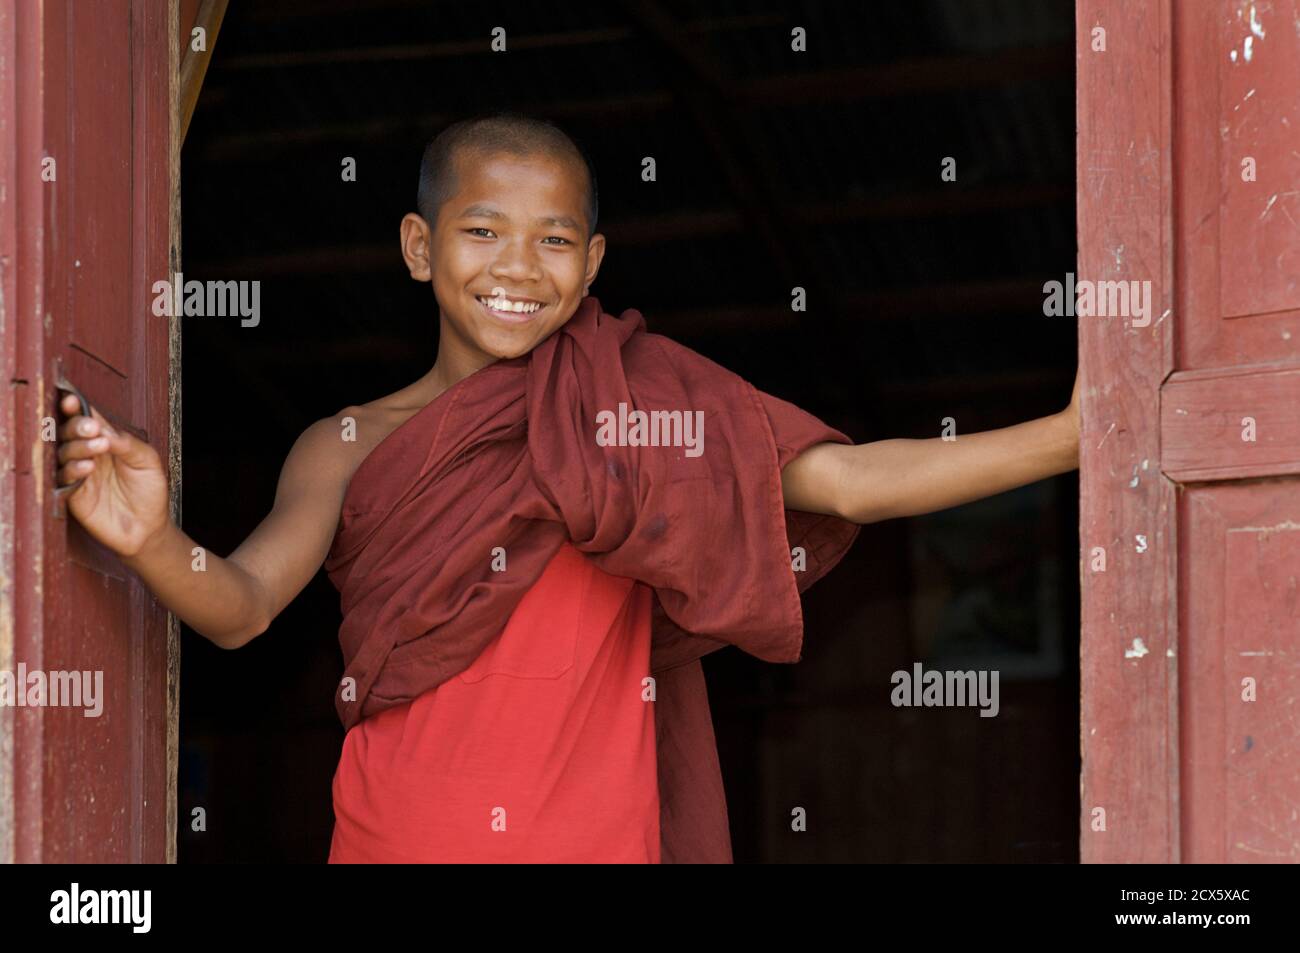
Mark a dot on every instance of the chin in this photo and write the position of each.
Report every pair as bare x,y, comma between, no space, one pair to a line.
504,350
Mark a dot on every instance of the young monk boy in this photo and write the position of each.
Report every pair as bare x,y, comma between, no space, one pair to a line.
537,541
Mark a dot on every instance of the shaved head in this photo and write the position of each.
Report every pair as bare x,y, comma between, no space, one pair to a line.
485,135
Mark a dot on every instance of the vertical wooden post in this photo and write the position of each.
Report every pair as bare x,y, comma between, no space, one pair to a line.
1128,664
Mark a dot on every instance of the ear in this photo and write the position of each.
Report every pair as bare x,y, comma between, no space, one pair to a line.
416,241
595,255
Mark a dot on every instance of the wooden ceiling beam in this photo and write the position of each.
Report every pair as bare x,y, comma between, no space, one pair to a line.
930,74
705,91
960,299
474,46
650,230
910,77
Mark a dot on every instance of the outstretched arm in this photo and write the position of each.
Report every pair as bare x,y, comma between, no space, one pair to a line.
869,482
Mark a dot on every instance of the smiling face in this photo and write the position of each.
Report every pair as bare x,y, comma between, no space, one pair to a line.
508,255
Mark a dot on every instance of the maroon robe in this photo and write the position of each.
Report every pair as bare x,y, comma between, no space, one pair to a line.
508,457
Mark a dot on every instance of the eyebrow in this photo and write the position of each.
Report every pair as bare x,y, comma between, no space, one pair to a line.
487,211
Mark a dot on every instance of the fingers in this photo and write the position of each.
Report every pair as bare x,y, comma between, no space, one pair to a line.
81,440
74,471
85,449
78,425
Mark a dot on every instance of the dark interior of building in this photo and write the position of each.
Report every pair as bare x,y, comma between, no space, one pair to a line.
776,169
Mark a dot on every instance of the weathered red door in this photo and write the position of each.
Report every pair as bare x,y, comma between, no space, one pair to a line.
1189,177
87,175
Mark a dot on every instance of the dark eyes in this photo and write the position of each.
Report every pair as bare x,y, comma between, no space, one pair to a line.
480,232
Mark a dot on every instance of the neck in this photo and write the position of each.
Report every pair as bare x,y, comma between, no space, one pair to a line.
455,362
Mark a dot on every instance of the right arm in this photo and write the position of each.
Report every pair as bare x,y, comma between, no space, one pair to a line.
123,504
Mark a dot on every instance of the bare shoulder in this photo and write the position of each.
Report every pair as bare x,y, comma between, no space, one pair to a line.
317,465
334,447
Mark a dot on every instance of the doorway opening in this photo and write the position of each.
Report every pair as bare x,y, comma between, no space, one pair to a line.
777,168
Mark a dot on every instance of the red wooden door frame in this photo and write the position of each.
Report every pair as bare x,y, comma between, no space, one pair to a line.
1169,491
1128,717
73,790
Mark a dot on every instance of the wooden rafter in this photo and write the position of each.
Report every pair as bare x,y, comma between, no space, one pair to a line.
932,74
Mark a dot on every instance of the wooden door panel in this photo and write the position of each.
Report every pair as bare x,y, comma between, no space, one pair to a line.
1259,257
1240,618
1237,242
90,779
96,251
1261,753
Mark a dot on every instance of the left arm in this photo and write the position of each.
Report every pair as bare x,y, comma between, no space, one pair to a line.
869,482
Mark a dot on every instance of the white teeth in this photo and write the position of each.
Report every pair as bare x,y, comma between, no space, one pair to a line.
499,303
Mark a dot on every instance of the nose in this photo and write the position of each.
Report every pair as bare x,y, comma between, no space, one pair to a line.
517,261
